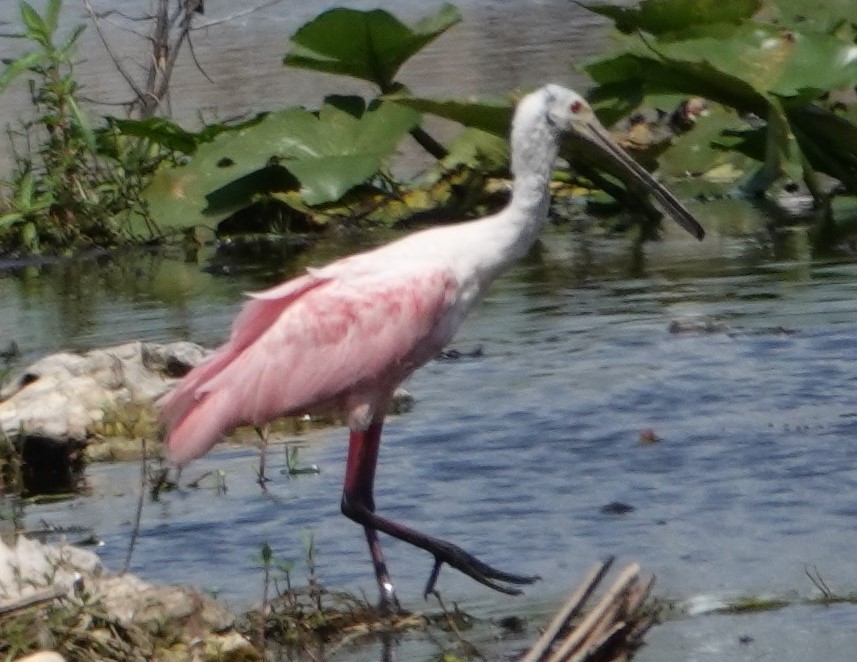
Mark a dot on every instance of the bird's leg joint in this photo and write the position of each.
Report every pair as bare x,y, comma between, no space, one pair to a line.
355,508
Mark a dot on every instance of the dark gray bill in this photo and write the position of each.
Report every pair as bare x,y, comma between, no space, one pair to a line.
599,136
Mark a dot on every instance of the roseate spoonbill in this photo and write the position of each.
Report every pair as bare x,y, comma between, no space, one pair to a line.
343,336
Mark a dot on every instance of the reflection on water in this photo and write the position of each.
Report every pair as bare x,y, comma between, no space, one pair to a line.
513,454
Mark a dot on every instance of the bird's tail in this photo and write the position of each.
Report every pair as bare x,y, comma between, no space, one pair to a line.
196,414
192,418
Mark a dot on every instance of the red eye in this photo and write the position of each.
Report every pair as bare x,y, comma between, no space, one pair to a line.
576,107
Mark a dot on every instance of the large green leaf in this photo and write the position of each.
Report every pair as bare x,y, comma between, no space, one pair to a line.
159,130
371,45
827,16
477,149
626,78
493,116
696,152
334,151
325,154
168,134
664,17
745,71
773,61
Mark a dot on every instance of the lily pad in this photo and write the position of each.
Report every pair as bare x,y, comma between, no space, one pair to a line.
370,45
696,152
795,65
825,16
662,17
477,149
325,154
492,116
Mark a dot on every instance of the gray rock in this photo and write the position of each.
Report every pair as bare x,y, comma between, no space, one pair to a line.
63,395
32,570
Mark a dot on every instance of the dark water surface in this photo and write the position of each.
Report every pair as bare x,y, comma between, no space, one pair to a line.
513,454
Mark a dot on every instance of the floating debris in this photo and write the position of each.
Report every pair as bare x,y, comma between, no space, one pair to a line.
649,436
612,631
617,508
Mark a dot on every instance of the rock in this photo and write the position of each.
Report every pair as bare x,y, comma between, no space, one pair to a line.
52,408
401,403
42,656
29,566
62,395
34,572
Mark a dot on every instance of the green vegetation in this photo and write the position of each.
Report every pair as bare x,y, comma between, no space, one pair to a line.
781,80
307,168
778,82
72,186
310,621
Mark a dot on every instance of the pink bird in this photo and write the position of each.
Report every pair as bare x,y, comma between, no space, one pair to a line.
342,337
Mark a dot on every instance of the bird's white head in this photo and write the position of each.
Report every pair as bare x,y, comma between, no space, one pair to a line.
562,109
541,118
554,110
566,109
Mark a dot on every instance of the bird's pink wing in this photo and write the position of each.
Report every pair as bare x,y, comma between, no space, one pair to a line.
308,342
255,318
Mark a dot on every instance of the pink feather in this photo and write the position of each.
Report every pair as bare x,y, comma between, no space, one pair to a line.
315,342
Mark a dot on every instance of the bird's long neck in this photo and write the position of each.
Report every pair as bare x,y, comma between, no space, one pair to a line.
534,150
534,144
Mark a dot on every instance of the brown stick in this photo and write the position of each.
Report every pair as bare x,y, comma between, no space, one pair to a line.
43,595
594,621
569,610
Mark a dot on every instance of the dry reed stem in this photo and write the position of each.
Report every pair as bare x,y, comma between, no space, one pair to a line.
612,630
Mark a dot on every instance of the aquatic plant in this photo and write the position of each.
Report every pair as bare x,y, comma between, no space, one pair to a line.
303,164
65,191
775,66
294,466
771,72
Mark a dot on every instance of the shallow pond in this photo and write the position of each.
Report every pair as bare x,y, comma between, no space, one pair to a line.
514,453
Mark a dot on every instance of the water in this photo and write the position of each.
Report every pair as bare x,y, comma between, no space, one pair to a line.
513,454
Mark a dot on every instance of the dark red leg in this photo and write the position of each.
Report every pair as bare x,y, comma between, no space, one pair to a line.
263,437
359,488
358,504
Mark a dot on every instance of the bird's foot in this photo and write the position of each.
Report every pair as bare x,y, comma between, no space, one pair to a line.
443,552
454,556
389,605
